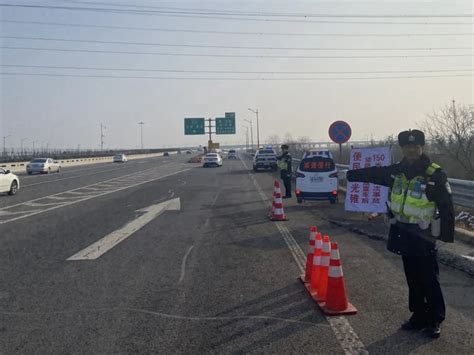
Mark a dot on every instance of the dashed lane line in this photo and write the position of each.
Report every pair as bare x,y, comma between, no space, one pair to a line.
345,334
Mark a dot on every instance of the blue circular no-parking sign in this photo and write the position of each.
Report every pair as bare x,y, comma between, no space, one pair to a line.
340,132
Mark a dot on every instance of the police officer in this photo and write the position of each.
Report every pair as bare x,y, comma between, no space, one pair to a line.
421,211
284,163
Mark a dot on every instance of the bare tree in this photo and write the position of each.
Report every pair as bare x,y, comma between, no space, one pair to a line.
288,138
273,140
452,131
302,143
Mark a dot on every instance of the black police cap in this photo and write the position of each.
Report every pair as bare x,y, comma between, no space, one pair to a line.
411,137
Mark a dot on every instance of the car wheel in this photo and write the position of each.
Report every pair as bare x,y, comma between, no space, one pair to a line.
299,200
13,188
49,171
255,169
29,172
59,169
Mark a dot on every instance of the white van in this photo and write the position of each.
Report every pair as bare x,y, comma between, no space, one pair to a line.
316,178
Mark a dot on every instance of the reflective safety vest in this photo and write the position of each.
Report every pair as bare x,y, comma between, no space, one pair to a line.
408,200
282,164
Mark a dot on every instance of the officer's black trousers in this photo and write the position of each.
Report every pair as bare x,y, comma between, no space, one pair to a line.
287,183
425,296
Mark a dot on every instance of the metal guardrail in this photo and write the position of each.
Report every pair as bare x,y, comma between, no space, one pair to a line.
463,190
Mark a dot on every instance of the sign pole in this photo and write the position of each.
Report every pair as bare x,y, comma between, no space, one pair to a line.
340,153
210,135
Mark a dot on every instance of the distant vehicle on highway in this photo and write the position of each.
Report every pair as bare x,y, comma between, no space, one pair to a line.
120,158
9,182
265,158
43,165
188,152
316,178
232,154
211,159
166,154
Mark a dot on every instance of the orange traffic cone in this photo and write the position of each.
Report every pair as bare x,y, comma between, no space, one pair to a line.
322,283
318,248
309,257
277,213
336,298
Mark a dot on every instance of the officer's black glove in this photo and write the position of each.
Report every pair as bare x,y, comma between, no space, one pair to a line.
350,175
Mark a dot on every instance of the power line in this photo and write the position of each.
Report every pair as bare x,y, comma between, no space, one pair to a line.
233,78
193,31
234,71
225,17
261,13
232,47
238,55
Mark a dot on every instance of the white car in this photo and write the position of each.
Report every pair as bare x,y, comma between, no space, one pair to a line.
211,159
42,165
120,158
265,158
9,182
316,178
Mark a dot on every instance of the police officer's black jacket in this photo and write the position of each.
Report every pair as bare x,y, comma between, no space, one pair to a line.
409,239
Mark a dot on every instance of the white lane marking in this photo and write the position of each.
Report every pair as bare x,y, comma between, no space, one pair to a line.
183,264
68,178
89,197
36,204
62,198
106,243
8,213
345,334
73,191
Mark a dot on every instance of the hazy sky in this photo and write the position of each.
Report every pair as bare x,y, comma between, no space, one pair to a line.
67,111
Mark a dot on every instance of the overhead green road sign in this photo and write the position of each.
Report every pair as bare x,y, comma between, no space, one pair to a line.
226,125
193,126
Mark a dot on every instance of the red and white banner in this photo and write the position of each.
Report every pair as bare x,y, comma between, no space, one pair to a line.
367,197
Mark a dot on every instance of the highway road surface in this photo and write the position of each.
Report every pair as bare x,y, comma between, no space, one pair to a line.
162,256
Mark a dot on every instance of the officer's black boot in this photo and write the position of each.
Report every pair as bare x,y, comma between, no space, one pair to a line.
434,331
415,322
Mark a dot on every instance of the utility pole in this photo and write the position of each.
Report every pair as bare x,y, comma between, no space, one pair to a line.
454,109
251,131
102,136
34,150
258,132
141,132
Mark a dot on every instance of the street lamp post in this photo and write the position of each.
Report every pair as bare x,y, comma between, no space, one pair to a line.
258,132
4,145
251,131
246,138
141,132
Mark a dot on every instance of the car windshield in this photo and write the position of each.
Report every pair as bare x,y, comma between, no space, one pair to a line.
266,152
231,151
317,164
211,155
38,161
